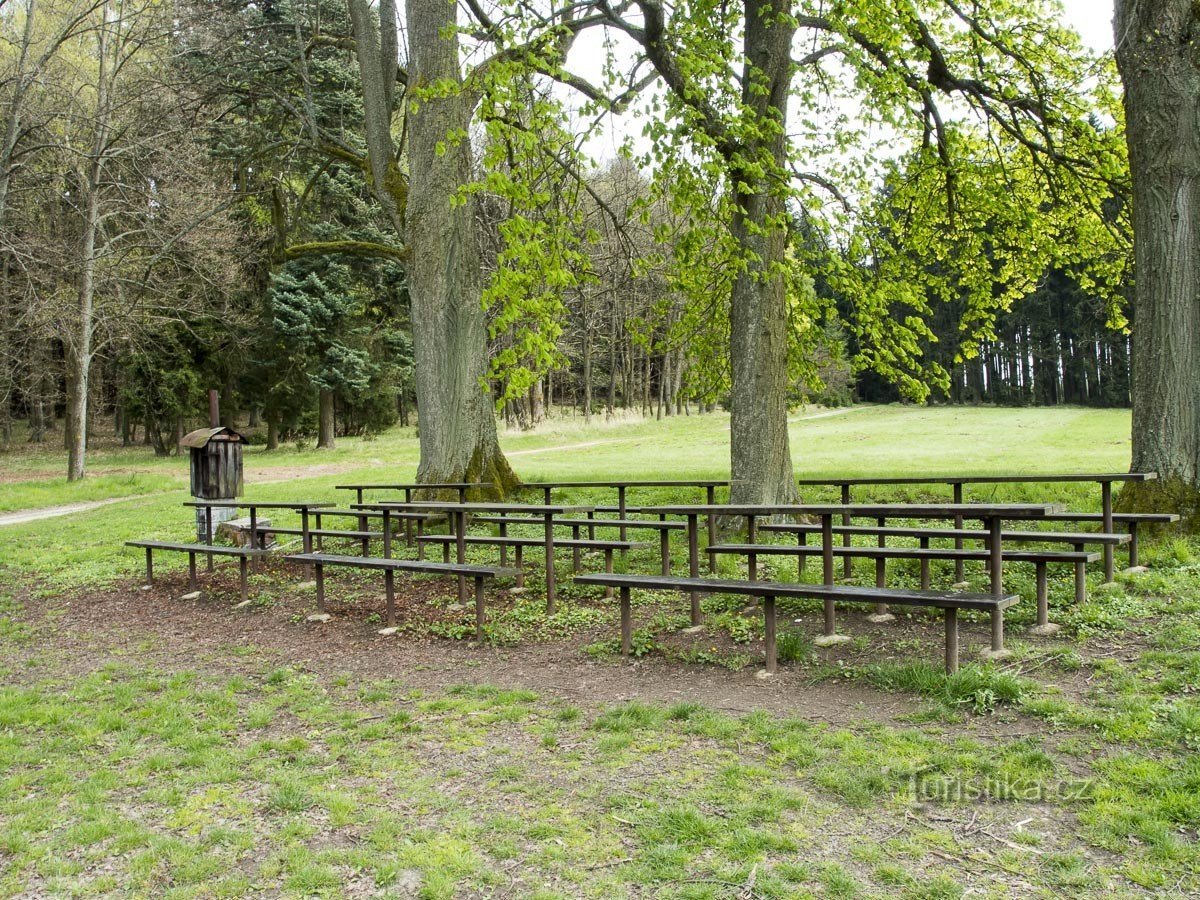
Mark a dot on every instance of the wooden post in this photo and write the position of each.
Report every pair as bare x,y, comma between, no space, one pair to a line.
608,570
959,571
551,592
752,557
694,564
479,617
710,497
847,563
1080,577
387,533
1107,505
951,640
575,553
827,569
626,622
769,639
924,565
664,549
254,533
320,578
460,542
242,566
504,534
208,533
389,589
1133,545
995,555
621,508
997,632
1043,595
192,583
881,568
306,537
149,567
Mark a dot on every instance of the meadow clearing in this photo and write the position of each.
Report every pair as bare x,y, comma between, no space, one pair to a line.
151,745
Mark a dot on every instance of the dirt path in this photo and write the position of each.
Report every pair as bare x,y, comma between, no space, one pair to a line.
20,517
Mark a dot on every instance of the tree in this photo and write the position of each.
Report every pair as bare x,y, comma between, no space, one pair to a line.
733,72
1158,53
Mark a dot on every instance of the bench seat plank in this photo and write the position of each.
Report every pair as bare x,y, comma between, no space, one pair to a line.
970,534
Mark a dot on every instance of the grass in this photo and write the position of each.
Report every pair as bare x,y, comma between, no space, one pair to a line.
135,767
284,783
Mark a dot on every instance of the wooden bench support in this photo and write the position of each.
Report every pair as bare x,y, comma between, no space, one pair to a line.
768,594
244,556
390,566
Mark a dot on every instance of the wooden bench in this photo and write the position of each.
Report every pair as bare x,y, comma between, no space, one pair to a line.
520,543
1040,560
768,591
1129,520
243,554
348,534
663,527
389,567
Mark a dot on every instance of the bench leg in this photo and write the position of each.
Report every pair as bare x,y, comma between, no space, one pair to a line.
319,577
881,613
1080,577
924,565
1044,625
664,549
801,558
951,640
997,651
366,546
503,547
591,528
519,558
389,589
829,636
149,567
243,565
192,583
768,604
960,575
1133,546
446,553
752,566
608,570
575,561
479,608
420,543
626,623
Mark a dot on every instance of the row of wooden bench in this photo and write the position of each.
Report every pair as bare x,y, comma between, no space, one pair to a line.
768,591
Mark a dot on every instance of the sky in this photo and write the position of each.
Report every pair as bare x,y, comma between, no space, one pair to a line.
1093,20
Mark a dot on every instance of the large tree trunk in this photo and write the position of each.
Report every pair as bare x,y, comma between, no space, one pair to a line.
760,455
1158,53
457,425
325,421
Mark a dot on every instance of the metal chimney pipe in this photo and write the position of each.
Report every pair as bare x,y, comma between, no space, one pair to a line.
214,410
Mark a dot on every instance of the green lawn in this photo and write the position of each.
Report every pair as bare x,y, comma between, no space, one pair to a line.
135,761
883,440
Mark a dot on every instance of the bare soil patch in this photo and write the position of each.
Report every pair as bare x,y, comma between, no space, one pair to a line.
124,619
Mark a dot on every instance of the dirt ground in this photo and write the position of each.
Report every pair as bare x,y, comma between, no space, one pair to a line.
127,619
